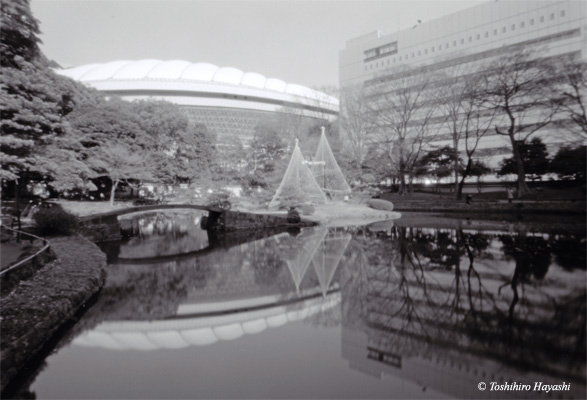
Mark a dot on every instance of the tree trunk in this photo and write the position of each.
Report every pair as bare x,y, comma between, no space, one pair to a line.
113,190
522,186
462,182
17,198
410,183
402,183
456,166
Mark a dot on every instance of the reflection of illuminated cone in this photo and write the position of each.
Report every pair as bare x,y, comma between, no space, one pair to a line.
298,252
327,258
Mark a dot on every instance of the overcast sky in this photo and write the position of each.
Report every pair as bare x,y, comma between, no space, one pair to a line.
295,41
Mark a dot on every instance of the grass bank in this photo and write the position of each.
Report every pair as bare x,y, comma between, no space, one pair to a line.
33,312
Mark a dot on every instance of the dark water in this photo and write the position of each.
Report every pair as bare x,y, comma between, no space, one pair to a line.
420,307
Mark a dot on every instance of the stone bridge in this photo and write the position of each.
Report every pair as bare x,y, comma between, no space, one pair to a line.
105,226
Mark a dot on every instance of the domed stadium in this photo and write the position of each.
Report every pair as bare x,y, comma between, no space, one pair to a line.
228,101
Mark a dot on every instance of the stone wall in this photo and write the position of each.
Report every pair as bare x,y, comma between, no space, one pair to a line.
101,229
483,206
235,220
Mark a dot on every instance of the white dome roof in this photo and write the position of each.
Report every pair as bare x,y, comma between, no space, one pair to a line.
179,70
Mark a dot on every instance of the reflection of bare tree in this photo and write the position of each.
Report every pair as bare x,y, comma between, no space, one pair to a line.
427,290
532,257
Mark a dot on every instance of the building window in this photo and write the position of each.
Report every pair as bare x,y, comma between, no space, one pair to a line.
470,38
513,27
503,29
478,36
388,61
446,46
439,47
419,52
454,44
542,19
486,34
532,21
494,32
433,49
412,55
522,24
552,16
425,51
393,59
563,13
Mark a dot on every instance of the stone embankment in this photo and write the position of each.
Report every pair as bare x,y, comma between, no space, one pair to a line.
34,311
483,206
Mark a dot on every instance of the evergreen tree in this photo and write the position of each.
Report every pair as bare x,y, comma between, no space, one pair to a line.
570,163
32,105
265,149
18,34
534,157
166,137
438,163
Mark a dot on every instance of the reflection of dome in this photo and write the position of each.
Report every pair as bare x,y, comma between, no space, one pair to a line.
201,331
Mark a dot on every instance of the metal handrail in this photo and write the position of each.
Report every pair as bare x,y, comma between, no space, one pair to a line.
45,247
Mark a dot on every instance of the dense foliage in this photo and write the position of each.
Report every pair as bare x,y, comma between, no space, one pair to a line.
570,163
534,157
55,221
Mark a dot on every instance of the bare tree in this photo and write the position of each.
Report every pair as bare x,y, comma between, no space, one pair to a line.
519,87
403,106
319,109
468,117
572,90
354,121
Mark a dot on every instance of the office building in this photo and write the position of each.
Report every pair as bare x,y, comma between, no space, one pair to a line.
468,38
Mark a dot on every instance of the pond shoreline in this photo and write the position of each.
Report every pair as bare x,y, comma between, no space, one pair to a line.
37,308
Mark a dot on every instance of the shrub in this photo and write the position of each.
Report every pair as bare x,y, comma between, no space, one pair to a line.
55,220
306,209
219,199
380,204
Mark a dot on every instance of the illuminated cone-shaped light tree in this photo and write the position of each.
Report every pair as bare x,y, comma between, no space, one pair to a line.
298,185
327,172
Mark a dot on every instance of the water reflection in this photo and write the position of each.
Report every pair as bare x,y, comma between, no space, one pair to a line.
448,308
442,304
171,296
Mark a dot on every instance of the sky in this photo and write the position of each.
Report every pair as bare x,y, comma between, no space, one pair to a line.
292,40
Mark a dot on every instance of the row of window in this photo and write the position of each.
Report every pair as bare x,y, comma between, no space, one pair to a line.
439,48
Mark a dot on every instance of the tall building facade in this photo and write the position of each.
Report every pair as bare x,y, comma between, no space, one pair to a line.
480,34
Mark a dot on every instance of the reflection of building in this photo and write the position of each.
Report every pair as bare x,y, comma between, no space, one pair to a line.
228,323
453,43
228,101
242,290
448,329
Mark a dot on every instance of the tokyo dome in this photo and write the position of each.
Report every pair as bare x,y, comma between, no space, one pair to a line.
227,100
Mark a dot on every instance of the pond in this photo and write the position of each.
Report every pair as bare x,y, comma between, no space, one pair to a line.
420,307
